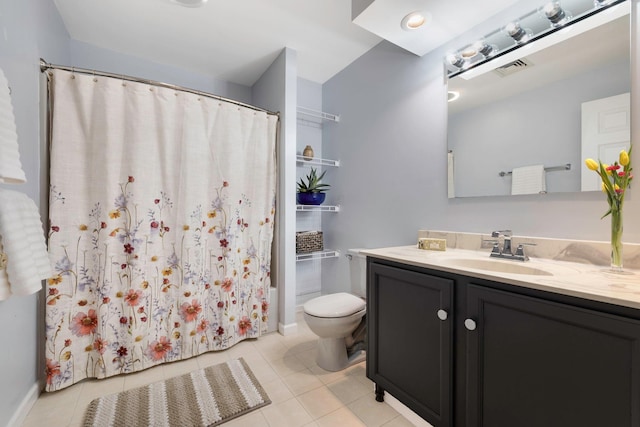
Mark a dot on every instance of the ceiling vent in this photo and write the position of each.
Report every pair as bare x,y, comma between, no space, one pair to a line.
513,67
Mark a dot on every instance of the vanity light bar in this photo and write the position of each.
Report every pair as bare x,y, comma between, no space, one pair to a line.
578,26
523,36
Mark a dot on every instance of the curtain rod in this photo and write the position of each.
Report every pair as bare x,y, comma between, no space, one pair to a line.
44,66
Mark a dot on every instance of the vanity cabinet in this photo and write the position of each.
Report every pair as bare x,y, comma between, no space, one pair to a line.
533,362
410,339
504,356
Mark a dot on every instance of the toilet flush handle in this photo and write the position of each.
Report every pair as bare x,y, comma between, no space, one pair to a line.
442,315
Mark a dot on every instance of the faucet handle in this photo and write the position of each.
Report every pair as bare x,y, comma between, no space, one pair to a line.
504,233
520,250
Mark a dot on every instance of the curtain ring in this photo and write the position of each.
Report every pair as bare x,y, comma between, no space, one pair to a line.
94,76
123,82
73,72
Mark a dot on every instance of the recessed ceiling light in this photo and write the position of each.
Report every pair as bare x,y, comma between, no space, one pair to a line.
189,3
414,20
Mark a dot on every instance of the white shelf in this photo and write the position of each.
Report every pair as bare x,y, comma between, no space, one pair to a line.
317,208
318,114
317,255
316,161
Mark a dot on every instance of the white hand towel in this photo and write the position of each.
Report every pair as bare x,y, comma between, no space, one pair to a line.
528,180
451,191
10,167
23,243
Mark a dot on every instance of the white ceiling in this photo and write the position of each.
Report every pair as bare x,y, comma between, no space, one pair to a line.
236,40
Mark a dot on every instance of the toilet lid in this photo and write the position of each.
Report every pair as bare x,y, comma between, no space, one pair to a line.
334,305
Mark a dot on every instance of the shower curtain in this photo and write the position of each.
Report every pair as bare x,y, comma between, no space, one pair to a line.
161,221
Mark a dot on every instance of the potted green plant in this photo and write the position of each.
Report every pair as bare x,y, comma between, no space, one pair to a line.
312,192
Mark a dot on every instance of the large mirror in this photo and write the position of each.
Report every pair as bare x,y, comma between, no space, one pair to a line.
546,109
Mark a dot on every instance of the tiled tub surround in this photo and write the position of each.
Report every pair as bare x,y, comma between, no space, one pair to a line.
577,268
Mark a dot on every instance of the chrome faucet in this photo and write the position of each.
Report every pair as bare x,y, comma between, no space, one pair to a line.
506,251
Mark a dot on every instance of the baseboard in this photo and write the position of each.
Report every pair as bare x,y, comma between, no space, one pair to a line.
25,406
272,322
411,416
289,329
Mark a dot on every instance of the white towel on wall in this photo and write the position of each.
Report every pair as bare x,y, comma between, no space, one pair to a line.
451,189
10,167
23,243
528,180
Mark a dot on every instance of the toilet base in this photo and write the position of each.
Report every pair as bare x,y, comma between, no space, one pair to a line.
332,354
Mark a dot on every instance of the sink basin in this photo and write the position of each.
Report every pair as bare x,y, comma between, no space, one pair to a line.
511,267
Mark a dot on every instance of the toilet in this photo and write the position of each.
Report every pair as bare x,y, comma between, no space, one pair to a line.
338,320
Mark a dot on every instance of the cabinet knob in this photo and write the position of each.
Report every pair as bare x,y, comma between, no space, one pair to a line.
470,324
442,315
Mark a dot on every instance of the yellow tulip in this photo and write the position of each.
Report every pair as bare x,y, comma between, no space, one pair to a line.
592,164
604,188
624,158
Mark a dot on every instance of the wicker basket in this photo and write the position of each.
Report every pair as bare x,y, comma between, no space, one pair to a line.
308,241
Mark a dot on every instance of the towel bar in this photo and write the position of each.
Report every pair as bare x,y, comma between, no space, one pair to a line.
564,167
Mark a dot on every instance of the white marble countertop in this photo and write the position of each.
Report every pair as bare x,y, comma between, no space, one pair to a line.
588,281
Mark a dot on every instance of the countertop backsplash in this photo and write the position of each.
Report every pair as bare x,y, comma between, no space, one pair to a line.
581,251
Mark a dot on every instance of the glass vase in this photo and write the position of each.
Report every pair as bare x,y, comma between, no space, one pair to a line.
616,240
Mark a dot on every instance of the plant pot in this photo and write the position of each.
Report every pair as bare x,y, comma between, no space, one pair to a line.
310,198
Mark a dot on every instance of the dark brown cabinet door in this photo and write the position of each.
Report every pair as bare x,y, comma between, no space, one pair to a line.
409,323
535,363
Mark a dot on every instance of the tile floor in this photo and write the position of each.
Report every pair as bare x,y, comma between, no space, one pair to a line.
302,394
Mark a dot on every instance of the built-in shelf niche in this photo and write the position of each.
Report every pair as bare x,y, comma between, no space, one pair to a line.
316,161
317,208
317,255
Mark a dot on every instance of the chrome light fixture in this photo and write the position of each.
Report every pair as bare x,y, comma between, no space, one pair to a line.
455,60
556,15
547,19
484,48
516,32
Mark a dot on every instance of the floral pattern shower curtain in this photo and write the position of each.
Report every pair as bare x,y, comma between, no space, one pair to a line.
161,221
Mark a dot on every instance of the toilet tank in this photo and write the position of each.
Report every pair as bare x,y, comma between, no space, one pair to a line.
358,272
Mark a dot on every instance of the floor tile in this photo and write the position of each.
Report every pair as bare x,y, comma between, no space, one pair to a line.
371,412
277,390
289,413
175,369
341,418
142,378
327,377
263,371
398,421
301,382
319,402
56,399
308,357
252,419
211,358
348,389
287,365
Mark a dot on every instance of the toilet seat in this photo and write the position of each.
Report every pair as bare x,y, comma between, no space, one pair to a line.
336,305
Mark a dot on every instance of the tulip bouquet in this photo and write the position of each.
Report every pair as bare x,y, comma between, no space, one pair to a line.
616,179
